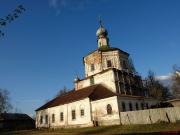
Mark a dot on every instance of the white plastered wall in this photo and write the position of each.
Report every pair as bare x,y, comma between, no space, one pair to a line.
80,121
133,101
107,78
99,111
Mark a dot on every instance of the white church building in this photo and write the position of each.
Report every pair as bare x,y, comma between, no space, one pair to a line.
109,87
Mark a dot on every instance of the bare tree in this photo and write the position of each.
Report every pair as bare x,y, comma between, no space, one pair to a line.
132,67
155,88
62,91
5,105
176,81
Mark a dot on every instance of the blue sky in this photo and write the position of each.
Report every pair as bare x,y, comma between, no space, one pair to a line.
42,50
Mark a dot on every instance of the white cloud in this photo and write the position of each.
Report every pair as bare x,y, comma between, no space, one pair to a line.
166,80
55,5
164,77
61,5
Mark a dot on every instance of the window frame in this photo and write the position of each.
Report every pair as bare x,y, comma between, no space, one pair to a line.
91,80
92,67
142,106
82,113
137,106
61,116
53,118
46,119
109,63
130,106
123,107
41,119
73,114
109,109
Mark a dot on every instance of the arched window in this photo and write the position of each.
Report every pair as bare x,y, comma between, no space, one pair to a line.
123,107
73,113
130,106
137,106
142,106
109,109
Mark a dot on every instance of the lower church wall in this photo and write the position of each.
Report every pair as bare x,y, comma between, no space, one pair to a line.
67,118
100,114
137,103
149,116
109,122
90,124
96,114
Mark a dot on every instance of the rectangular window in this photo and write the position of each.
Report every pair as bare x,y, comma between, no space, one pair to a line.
61,116
41,119
92,67
82,112
91,80
46,119
109,64
53,118
123,107
73,114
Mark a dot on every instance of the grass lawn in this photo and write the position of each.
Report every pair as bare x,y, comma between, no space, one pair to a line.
125,129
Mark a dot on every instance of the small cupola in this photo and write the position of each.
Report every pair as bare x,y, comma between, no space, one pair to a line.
102,36
101,31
